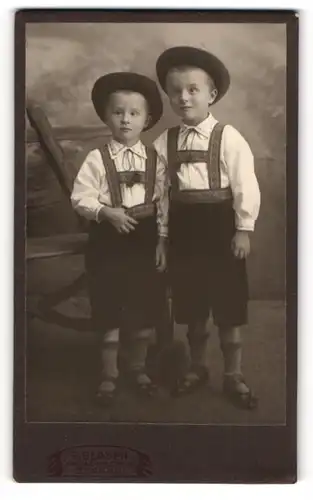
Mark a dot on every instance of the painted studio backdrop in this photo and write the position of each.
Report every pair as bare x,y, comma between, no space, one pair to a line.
62,63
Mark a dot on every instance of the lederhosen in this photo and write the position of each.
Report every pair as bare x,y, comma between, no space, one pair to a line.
121,268
205,276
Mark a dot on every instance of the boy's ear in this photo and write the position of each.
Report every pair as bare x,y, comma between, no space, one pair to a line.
213,96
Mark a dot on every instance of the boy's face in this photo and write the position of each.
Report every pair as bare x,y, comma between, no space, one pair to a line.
191,91
126,115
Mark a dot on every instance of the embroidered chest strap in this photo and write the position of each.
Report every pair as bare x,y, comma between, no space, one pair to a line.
131,178
211,157
115,178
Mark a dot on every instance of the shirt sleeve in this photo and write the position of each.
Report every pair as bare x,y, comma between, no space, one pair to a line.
239,163
86,189
161,192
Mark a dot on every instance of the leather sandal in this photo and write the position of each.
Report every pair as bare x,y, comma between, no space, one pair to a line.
144,389
186,386
246,400
105,397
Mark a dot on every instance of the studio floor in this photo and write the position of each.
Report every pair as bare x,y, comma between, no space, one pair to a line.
62,375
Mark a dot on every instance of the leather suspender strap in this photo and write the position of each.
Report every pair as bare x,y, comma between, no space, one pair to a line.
191,156
131,178
173,164
213,157
112,177
150,174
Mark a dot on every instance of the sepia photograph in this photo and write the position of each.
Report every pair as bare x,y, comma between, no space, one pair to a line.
156,276
155,251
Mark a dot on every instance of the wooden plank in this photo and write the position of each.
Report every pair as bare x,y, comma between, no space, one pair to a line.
64,168
55,246
50,146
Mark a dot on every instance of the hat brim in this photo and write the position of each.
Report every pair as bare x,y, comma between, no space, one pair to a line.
176,57
113,82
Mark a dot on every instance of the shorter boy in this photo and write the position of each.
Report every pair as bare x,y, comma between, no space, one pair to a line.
214,203
120,188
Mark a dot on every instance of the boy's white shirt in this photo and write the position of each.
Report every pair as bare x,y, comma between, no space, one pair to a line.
236,166
91,190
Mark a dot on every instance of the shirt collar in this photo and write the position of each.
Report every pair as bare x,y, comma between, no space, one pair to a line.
116,148
204,128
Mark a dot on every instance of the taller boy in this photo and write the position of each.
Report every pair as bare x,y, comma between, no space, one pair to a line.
214,204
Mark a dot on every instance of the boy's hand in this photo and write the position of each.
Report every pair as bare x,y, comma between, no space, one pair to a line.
161,255
122,222
241,244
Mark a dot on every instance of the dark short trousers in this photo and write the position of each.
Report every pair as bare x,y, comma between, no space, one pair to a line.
124,285
205,276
